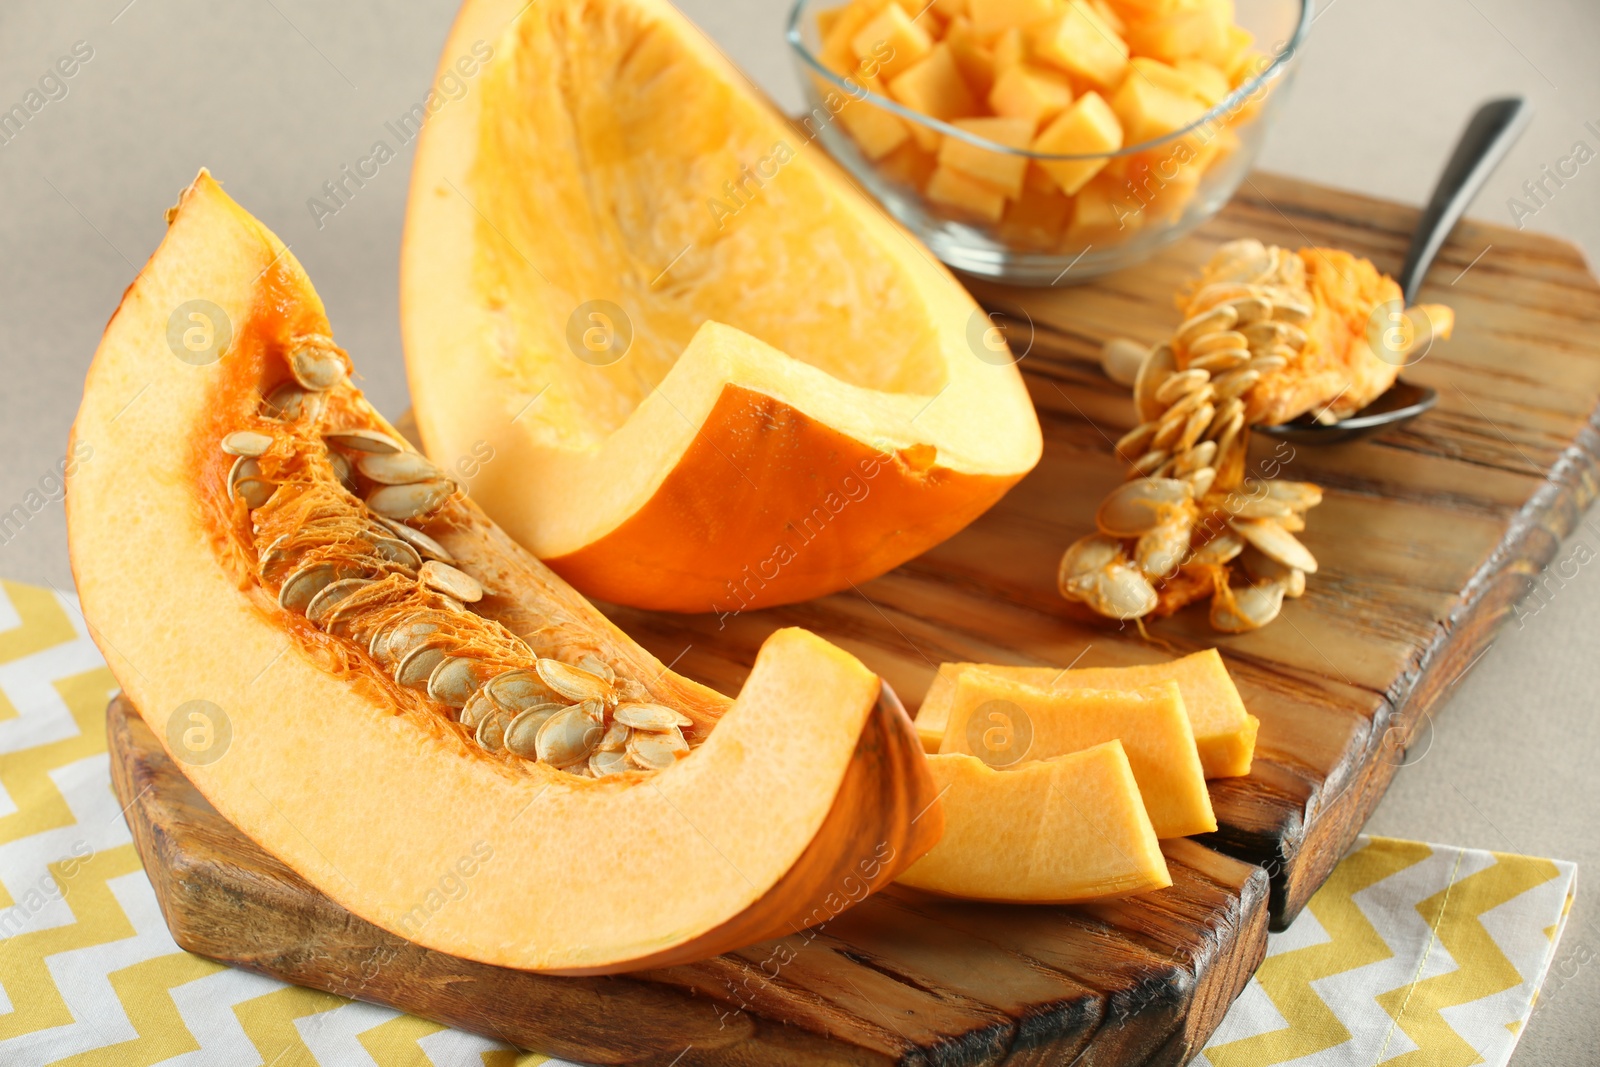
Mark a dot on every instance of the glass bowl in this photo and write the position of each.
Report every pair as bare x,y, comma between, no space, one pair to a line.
1141,197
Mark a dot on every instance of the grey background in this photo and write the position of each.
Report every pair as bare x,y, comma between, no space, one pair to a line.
276,95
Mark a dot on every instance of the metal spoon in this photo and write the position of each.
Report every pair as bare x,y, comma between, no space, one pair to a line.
1483,144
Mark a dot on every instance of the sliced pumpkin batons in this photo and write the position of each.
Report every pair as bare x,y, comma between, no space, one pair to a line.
1224,732
1053,831
804,397
811,777
1150,722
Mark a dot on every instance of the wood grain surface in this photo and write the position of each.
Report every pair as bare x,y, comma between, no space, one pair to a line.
1427,537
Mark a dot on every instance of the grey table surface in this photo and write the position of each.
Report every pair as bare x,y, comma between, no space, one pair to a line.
275,96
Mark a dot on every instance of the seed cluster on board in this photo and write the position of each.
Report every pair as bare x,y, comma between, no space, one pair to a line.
332,508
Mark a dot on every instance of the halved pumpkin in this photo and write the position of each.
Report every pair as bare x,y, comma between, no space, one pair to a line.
715,376
292,717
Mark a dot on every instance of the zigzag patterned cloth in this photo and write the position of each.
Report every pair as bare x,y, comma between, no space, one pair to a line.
90,977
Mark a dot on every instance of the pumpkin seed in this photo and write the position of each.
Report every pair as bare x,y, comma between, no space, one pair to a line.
330,595
1301,496
1139,505
363,440
412,501
519,690
1159,551
1264,568
426,546
455,678
603,764
646,716
1240,610
418,665
246,483
656,751
316,363
1152,374
1220,317
1121,591
1291,311
1200,480
1180,385
400,639
397,468
1121,359
1248,309
1137,440
443,578
567,737
1237,383
631,689
574,683
1148,463
1276,543
522,731
615,739
1200,455
303,585
246,443
595,665
290,403
1221,361
1199,419
477,709
1216,342
492,730
1222,548
1209,296
1267,364
396,551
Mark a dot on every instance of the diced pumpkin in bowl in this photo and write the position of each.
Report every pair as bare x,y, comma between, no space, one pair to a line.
876,131
965,195
1005,722
1089,127
1205,81
933,86
1009,49
1003,170
1030,92
1103,210
1148,110
892,40
1051,831
1035,218
993,17
1224,731
1196,29
975,61
1079,42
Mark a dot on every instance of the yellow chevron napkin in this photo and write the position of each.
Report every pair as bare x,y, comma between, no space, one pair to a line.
1410,954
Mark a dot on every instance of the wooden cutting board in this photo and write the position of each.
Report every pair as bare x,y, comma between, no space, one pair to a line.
1428,537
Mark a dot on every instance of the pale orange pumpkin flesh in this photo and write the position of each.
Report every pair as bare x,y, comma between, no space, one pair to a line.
811,779
805,398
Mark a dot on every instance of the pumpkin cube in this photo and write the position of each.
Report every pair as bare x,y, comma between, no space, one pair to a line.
1163,75
1003,170
975,61
1233,54
1190,31
909,165
950,9
1009,49
891,40
1103,213
1149,111
1206,82
1088,127
934,87
1144,10
992,17
965,195
1080,43
828,18
1025,91
1110,16
876,131
1034,219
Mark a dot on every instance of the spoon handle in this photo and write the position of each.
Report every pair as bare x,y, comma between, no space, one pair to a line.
1483,144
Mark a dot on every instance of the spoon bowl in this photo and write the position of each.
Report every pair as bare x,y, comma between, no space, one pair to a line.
1401,403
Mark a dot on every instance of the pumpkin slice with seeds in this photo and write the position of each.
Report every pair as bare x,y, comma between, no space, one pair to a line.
716,375
368,678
